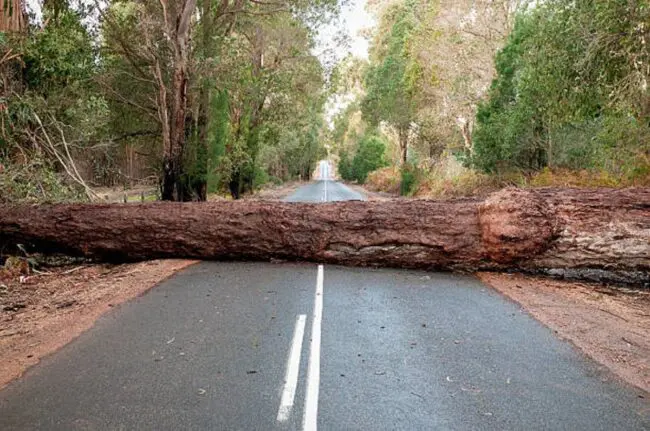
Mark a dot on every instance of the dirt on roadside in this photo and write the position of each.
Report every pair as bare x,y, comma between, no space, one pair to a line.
41,312
610,325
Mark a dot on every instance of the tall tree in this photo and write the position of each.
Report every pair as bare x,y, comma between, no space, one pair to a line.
177,16
389,80
154,40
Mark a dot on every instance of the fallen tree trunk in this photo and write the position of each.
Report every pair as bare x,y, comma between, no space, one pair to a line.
565,229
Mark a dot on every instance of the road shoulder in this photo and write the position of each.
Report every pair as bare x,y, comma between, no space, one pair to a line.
610,325
41,313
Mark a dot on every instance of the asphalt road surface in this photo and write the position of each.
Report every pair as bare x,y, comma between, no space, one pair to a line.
262,346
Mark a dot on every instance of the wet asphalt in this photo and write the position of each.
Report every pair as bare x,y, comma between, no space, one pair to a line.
209,349
325,191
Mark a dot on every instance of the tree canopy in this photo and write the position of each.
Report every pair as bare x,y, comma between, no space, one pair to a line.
193,94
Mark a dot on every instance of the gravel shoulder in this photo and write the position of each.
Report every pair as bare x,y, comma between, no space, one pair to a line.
608,324
40,313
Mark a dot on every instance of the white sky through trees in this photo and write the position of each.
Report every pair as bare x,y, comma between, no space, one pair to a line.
355,18
353,21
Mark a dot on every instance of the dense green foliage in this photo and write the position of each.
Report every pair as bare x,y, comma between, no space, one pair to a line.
113,94
369,156
571,92
389,79
508,88
408,180
230,101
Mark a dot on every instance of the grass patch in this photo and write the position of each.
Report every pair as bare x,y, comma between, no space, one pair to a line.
448,179
384,180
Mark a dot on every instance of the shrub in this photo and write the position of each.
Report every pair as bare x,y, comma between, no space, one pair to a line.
409,180
345,167
35,182
369,157
384,180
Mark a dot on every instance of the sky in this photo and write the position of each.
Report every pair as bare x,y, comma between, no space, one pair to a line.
354,18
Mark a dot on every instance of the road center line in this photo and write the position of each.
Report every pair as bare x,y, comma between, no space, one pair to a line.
293,367
313,374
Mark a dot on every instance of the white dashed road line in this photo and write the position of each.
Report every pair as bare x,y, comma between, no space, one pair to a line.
293,367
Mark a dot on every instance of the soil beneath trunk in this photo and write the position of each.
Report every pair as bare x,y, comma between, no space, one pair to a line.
41,313
610,325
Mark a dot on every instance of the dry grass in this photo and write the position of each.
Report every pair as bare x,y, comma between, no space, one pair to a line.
384,180
472,183
448,179
585,178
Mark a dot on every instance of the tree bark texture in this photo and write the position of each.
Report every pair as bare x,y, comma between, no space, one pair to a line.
530,230
177,22
13,18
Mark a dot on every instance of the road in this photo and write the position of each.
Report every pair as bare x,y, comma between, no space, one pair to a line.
324,190
280,346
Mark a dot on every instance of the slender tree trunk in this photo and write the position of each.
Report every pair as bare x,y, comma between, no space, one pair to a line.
403,136
549,146
200,185
466,131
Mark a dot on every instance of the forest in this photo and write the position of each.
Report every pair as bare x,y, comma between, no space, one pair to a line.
462,96
199,97
188,96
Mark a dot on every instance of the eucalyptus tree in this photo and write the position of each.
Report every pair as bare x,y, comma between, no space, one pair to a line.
273,82
571,91
390,96
154,40
12,16
186,54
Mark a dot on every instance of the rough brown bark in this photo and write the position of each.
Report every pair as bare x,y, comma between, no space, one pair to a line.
177,23
536,230
12,16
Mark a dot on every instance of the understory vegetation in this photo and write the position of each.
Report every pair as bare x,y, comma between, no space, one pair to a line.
187,96
472,96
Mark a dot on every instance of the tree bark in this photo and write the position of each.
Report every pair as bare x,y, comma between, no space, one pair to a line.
201,186
529,230
13,18
403,138
177,22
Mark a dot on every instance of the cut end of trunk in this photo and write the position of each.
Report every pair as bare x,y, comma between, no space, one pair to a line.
516,224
